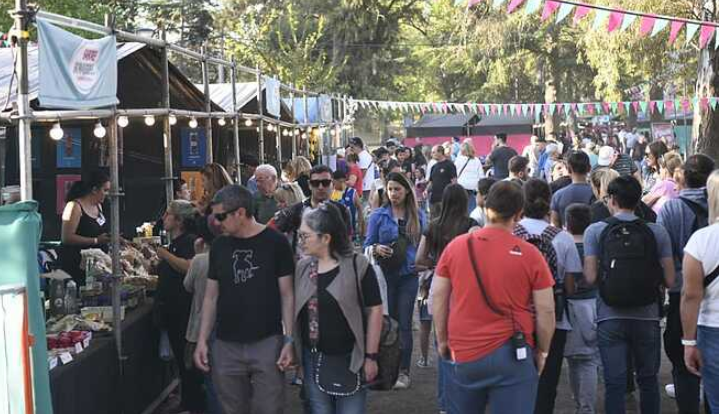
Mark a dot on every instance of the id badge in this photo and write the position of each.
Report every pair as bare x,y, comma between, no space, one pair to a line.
519,343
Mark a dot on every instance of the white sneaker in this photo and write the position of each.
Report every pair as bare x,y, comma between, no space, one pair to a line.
403,382
671,391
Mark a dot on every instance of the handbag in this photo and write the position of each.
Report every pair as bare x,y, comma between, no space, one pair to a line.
394,262
331,373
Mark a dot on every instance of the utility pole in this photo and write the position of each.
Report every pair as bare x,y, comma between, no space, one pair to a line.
20,38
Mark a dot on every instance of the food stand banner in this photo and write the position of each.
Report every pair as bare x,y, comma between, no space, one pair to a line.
76,73
21,228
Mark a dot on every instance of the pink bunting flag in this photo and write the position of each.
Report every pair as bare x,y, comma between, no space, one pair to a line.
686,104
705,35
704,102
652,106
580,13
513,5
471,3
635,105
669,106
607,107
647,24
615,20
549,8
676,27
546,108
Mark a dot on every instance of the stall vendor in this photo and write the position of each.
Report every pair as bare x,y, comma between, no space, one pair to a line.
172,301
83,223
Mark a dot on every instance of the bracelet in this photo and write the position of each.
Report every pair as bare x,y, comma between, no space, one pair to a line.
689,342
289,340
372,356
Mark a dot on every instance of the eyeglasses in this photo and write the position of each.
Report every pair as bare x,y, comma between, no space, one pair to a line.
304,236
320,183
222,216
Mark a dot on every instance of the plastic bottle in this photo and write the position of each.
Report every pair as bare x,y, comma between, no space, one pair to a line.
57,298
163,238
71,298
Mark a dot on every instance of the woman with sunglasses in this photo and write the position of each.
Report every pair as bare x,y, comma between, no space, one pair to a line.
334,289
393,233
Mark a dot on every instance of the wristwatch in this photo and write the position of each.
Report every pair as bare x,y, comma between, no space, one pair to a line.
289,340
372,357
689,342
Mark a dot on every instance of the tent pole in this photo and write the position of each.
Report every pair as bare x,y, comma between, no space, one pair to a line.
167,128
236,124
320,149
261,123
307,119
208,105
20,38
115,241
294,119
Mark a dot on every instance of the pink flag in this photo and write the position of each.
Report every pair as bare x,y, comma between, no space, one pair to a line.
669,105
546,108
513,5
705,35
635,104
652,106
676,27
647,25
704,104
506,109
686,104
607,107
471,3
580,13
549,8
615,20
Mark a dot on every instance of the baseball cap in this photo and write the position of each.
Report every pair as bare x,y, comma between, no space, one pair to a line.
606,154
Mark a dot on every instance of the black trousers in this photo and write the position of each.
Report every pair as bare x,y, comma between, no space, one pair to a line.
191,380
548,381
686,384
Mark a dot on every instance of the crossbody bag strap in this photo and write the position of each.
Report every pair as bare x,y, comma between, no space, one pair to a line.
470,251
465,166
711,277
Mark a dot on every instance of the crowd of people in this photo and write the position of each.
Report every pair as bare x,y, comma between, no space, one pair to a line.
514,263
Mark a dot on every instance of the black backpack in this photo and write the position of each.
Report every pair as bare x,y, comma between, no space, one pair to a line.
543,242
701,215
630,273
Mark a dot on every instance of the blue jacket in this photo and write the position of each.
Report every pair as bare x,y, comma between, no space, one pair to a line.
383,229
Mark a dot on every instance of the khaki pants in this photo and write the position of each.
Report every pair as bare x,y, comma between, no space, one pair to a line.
246,376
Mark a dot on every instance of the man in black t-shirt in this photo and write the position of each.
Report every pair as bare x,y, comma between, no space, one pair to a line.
499,158
249,298
443,174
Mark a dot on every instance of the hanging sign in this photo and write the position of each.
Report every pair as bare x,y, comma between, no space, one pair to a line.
194,147
272,97
75,73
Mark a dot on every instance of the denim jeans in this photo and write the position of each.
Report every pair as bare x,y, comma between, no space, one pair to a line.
471,202
686,384
497,380
444,368
401,296
321,403
708,343
643,340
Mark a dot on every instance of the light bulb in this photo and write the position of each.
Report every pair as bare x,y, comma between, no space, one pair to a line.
221,122
248,122
172,119
122,121
297,132
149,120
192,123
304,136
56,132
257,129
333,132
270,127
285,133
99,130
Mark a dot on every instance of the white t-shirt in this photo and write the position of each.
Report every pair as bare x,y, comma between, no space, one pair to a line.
430,164
366,163
704,246
470,175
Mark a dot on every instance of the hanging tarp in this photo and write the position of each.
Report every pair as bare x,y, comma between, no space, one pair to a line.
76,73
272,94
325,108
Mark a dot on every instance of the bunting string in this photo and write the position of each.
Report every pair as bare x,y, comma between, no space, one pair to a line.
612,19
646,108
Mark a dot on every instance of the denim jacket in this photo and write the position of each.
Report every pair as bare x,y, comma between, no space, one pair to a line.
384,229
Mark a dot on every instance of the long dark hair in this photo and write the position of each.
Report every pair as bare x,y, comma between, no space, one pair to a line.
327,219
414,227
451,223
94,181
419,158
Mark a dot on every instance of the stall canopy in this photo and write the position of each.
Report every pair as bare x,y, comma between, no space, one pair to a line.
433,129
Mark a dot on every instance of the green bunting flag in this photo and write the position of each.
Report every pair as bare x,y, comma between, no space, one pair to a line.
532,6
643,105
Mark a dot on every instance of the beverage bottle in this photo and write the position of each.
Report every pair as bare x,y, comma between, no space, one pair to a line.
57,298
71,298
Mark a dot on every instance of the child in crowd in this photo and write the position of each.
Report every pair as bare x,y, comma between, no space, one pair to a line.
478,214
420,185
581,349
349,197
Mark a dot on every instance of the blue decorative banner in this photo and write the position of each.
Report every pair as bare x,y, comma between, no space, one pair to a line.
194,147
69,149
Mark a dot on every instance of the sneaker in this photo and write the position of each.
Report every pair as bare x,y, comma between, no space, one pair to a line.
423,363
403,382
671,391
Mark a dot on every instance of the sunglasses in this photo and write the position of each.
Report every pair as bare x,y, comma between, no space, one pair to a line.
322,183
222,216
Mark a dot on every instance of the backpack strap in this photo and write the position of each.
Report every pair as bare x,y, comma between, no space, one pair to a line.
520,231
550,233
711,277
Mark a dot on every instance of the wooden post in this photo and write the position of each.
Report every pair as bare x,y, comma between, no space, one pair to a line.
166,127
208,105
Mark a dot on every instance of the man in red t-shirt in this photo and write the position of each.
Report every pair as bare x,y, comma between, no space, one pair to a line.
486,325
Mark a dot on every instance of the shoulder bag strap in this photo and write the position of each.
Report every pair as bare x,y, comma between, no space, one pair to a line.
465,166
711,277
470,251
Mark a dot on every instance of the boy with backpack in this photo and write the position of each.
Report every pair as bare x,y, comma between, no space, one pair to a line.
630,261
581,349
558,249
682,217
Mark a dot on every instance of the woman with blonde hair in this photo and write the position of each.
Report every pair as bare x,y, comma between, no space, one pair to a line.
665,187
599,180
700,299
214,178
469,172
298,171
